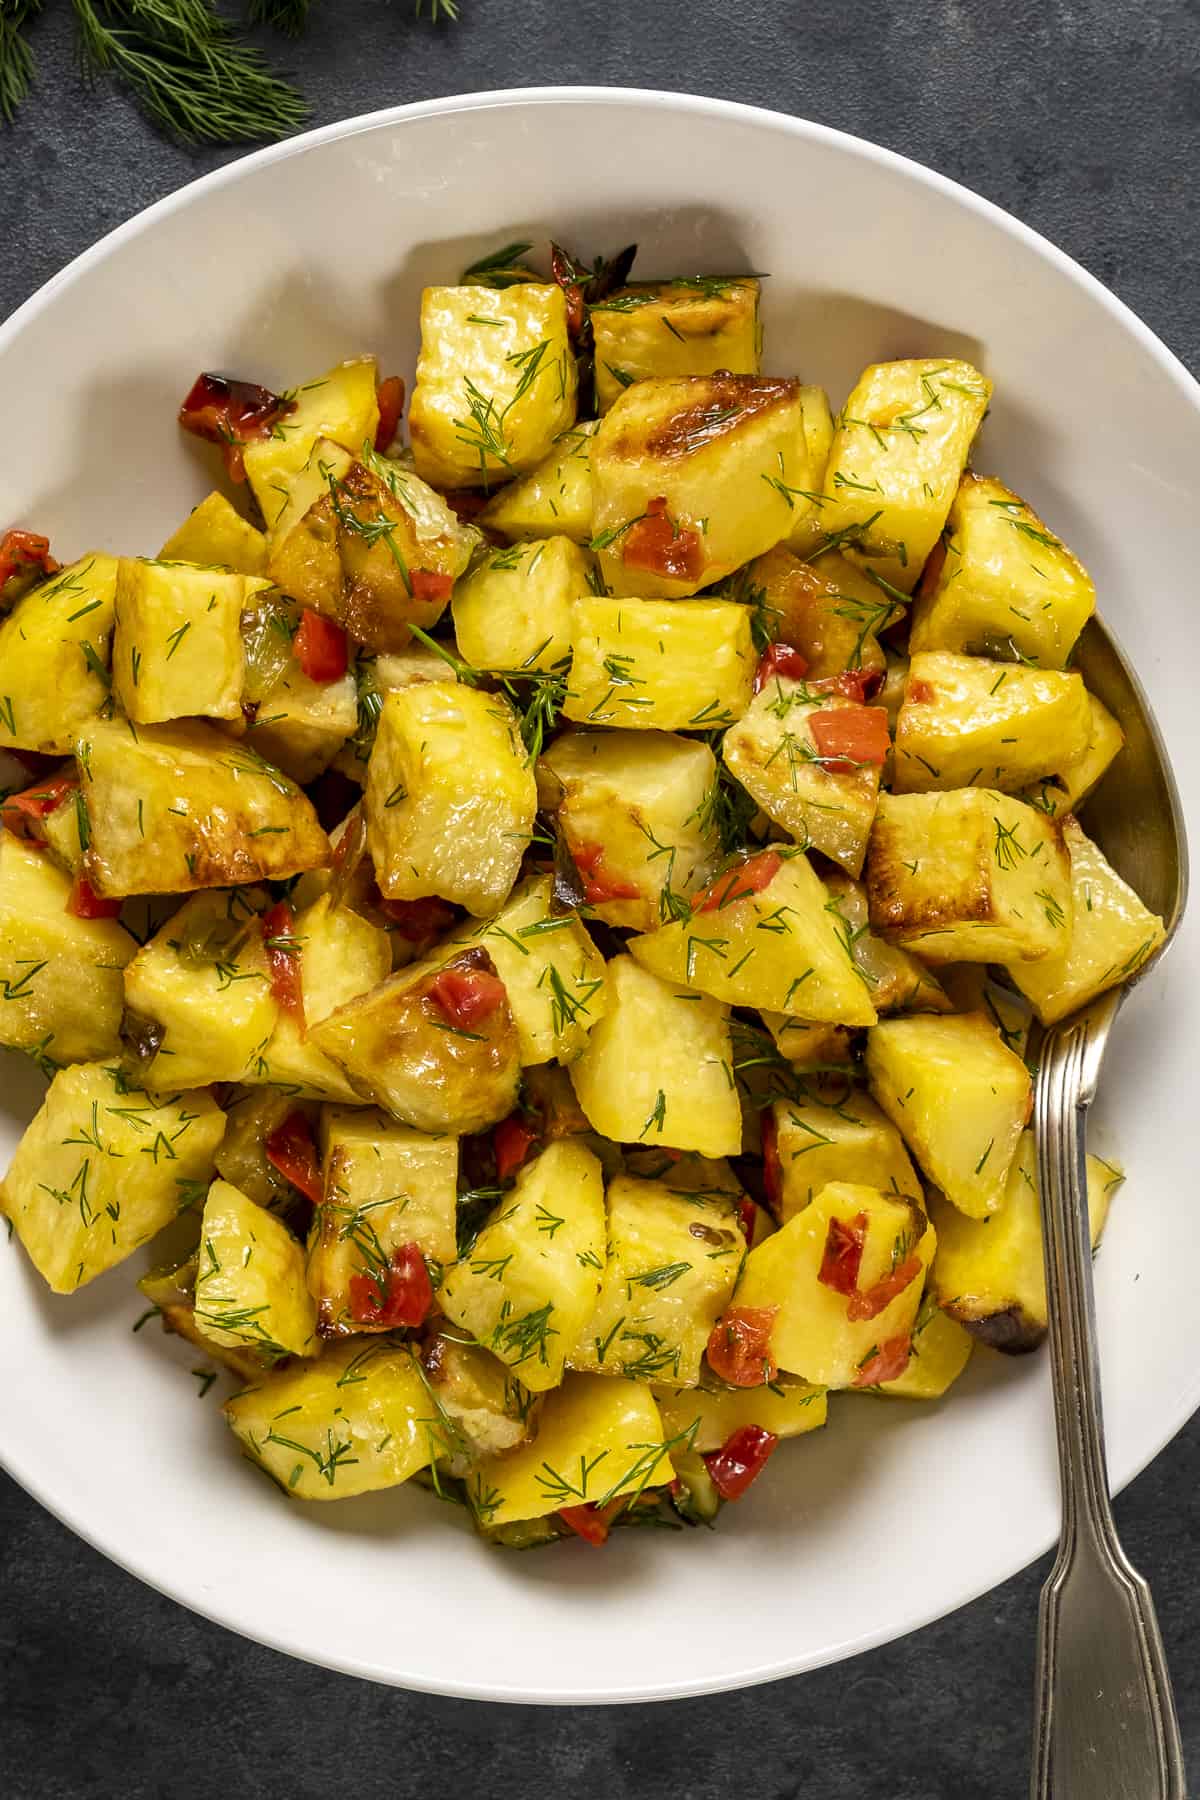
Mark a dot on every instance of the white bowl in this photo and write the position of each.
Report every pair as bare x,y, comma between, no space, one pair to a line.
275,267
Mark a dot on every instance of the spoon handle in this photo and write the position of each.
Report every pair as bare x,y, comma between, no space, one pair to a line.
1105,1724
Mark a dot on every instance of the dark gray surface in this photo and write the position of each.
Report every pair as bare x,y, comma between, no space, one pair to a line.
1081,117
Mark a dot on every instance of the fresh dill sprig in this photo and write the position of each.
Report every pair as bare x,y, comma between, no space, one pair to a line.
16,58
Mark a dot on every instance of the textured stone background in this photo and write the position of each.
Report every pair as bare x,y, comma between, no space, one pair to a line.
1081,117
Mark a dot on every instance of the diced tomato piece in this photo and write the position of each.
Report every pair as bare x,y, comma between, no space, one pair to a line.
283,959
589,1522
389,397
848,739
511,1141
85,903
843,1254
885,1363
736,884
291,1150
427,584
23,550
772,1167
36,802
740,1460
779,659
851,684
739,1346
659,544
416,920
231,414
466,995
868,1303
598,884
401,1294
320,646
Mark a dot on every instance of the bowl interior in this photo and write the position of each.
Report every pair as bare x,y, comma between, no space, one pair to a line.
298,257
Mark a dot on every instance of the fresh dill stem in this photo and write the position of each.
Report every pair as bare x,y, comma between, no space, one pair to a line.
16,58
290,16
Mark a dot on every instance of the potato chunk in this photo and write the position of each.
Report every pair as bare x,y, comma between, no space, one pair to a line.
689,480
1067,788
54,654
250,1286
400,1045
555,498
529,1284
177,807
657,1068
1109,936
595,1441
636,812
968,722
482,1409
830,611
673,1258
339,407
301,724
554,974
959,1097
807,535
819,802
991,1275
356,1419
215,534
514,610
177,640
202,990
1005,583
844,1137
102,1168
61,992
341,955
369,543
671,328
816,1333
781,946
683,665
450,796
941,1350
787,1408
495,383
970,876
900,445
386,1186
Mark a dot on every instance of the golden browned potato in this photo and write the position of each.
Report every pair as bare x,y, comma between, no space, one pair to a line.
664,328
967,722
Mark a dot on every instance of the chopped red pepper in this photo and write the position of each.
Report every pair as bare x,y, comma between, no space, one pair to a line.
658,543
466,995
232,414
738,884
389,397
427,584
567,277
24,550
739,1346
402,1294
36,802
868,1303
320,646
886,1362
85,903
779,659
283,960
772,1167
291,1150
920,693
851,684
598,884
416,920
740,1460
844,1242
589,1522
511,1141
849,738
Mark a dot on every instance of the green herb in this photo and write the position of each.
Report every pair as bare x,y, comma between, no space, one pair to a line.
500,269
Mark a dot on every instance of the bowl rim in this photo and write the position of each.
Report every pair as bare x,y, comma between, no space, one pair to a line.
697,105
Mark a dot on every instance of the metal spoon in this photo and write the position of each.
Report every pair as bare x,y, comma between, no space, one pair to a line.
1105,1726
